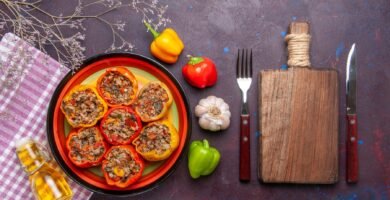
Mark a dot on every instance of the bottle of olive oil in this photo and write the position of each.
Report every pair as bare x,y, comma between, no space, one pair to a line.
46,182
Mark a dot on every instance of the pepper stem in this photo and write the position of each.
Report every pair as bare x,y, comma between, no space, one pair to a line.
194,60
154,32
206,144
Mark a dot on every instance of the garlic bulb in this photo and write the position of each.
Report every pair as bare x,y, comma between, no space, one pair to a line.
213,113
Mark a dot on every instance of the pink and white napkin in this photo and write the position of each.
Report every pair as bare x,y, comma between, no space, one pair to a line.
28,79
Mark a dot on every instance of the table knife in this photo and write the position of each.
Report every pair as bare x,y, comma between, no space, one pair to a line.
352,135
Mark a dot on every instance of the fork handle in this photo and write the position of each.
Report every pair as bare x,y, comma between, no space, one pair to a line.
245,166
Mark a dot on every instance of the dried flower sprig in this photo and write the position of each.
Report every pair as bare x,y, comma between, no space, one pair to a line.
46,30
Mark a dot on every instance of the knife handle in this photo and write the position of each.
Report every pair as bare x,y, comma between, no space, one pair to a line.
352,149
245,163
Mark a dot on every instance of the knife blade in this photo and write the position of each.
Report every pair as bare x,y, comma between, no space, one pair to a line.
352,136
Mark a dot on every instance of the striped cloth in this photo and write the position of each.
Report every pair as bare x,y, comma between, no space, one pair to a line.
28,78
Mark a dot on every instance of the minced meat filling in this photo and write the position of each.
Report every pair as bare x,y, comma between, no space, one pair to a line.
83,107
83,145
121,165
116,88
150,102
120,124
154,137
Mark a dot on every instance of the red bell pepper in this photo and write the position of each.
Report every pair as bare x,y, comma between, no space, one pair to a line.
120,120
83,151
200,72
122,166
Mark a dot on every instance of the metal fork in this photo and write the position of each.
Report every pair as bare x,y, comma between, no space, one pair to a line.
244,80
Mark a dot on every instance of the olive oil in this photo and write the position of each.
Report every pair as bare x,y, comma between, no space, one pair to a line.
46,182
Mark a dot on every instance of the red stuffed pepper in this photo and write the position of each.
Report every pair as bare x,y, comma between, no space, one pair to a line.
122,166
120,125
86,147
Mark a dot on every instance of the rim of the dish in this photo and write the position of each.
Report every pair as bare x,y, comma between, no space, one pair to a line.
74,176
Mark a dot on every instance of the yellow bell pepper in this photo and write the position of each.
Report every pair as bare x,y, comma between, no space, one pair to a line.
167,45
119,171
72,113
152,154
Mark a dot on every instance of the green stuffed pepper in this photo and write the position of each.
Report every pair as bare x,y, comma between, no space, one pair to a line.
202,159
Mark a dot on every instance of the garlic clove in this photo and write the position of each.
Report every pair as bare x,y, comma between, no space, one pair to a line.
227,114
224,106
225,123
204,102
216,119
214,127
219,102
212,100
204,123
200,110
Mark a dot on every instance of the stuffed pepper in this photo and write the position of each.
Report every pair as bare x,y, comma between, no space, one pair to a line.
86,147
157,141
83,106
122,166
120,125
118,86
153,101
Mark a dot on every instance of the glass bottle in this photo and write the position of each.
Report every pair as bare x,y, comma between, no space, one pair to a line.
46,182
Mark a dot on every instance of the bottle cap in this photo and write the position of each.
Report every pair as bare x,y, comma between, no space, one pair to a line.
23,141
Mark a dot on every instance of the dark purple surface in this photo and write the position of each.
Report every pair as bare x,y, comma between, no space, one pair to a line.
217,28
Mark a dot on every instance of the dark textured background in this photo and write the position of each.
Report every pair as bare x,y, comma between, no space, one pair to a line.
217,28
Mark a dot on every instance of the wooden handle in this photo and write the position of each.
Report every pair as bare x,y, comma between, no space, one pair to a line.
245,162
298,45
352,150
299,28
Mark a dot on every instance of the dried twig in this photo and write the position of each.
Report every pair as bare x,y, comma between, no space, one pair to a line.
47,31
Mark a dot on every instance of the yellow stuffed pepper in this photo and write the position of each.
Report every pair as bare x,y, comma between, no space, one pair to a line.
153,101
157,141
83,107
167,45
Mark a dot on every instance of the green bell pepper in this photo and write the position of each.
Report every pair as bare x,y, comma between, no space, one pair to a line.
202,159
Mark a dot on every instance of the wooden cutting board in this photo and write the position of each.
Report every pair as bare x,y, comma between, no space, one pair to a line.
298,108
